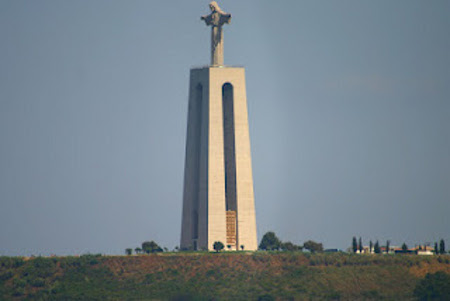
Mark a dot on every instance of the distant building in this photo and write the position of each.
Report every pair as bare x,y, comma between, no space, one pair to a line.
400,251
332,250
419,250
423,250
391,249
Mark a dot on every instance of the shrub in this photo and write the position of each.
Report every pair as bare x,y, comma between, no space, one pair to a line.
313,246
266,297
371,295
270,242
434,287
151,247
37,282
289,246
19,283
218,246
19,291
41,267
90,259
5,276
333,295
11,262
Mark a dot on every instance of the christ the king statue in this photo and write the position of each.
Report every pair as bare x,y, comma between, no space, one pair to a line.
216,19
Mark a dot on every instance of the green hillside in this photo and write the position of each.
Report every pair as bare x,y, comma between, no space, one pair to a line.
223,276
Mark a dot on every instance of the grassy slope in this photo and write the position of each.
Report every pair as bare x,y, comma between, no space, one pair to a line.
238,276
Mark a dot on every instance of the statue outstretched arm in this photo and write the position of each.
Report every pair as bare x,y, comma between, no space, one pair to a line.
207,19
225,18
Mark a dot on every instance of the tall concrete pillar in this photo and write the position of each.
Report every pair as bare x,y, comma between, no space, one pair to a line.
218,179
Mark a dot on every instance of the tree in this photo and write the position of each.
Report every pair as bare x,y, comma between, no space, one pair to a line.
313,246
289,246
376,248
433,287
128,251
360,245
370,247
137,250
388,242
270,242
151,247
354,244
218,246
442,247
404,247
436,249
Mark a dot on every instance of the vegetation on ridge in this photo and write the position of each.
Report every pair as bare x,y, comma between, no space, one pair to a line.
224,275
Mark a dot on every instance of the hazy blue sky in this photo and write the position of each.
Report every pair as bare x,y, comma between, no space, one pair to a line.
349,111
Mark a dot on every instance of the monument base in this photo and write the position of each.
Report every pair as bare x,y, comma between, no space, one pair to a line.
218,199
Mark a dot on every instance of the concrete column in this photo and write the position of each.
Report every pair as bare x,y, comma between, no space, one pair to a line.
205,162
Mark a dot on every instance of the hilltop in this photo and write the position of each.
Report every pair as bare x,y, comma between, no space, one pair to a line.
207,276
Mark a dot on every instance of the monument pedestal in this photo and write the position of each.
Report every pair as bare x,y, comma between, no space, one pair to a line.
218,200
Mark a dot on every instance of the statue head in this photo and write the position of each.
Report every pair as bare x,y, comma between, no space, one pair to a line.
214,6
217,17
